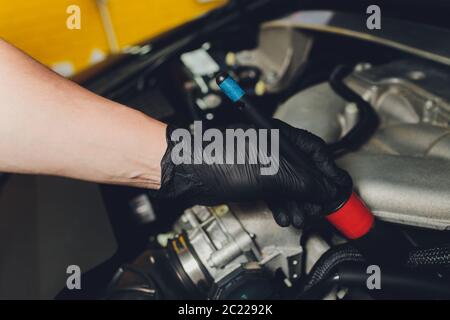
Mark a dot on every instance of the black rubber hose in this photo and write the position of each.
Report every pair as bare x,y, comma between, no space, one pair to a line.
368,120
395,245
437,256
346,253
406,283
327,263
393,283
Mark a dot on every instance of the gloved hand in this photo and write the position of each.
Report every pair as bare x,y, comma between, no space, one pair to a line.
316,192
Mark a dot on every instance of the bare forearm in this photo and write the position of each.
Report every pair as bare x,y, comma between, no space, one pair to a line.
49,125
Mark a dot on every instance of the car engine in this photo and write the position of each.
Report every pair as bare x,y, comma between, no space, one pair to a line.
401,170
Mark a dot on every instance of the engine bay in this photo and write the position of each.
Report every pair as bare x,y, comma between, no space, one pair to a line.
398,154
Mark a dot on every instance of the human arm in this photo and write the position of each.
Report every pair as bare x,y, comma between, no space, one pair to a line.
52,126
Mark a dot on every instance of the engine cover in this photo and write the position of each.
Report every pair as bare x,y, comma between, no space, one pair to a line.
403,171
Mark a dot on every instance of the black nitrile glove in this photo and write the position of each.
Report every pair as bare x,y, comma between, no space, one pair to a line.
315,192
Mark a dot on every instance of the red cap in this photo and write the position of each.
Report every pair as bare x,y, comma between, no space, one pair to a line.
353,219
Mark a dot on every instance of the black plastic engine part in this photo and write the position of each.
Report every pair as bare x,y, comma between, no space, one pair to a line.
368,119
393,284
321,273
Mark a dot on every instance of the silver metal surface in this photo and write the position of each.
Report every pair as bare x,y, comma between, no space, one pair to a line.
318,110
192,267
281,55
403,171
403,189
226,238
406,91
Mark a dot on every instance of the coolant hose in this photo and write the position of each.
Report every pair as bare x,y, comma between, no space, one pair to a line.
343,253
407,283
347,253
392,284
367,117
431,257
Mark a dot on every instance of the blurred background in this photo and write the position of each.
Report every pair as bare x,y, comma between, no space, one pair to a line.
39,27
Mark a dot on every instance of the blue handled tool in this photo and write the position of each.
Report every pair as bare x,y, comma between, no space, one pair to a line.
236,94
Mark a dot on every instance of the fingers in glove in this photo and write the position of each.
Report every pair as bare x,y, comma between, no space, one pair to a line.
297,214
280,213
312,210
302,213
317,149
288,213
311,145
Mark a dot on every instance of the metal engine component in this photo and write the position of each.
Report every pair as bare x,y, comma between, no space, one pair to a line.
281,55
403,171
318,110
216,245
406,91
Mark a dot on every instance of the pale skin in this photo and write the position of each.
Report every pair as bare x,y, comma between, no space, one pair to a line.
52,126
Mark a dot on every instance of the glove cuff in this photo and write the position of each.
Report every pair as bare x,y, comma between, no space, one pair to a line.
167,169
